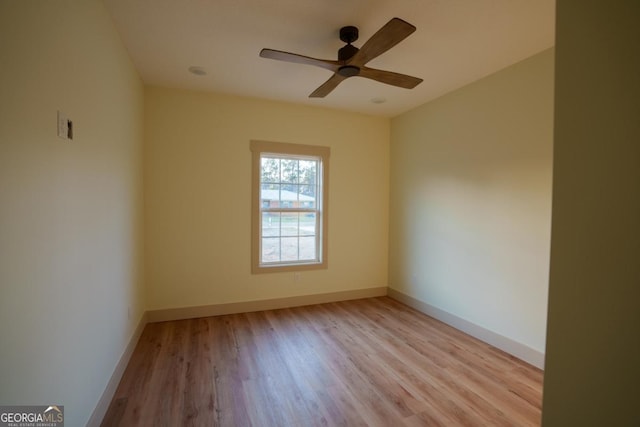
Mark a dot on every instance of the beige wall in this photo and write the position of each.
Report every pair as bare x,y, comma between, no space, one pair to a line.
593,356
70,212
197,197
471,201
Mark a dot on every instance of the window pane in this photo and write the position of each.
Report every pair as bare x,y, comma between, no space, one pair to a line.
308,224
308,172
270,249
289,170
307,248
270,224
306,196
270,195
286,196
290,224
270,170
289,249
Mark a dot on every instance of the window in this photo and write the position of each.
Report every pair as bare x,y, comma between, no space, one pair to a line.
289,206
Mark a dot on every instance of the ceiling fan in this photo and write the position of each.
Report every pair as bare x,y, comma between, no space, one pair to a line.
351,60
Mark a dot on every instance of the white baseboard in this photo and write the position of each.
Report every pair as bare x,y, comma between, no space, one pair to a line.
105,400
164,315
519,350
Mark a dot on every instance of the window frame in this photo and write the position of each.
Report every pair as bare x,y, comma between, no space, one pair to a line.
258,148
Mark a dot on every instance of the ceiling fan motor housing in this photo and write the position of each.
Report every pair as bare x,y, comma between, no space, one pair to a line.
349,70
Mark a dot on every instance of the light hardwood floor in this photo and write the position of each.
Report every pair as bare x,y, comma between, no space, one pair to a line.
372,362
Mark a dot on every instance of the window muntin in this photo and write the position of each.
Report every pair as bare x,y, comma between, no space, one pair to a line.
289,206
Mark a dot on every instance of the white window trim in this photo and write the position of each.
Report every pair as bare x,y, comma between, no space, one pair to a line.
278,148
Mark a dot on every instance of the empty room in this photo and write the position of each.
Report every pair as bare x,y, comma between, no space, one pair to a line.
300,213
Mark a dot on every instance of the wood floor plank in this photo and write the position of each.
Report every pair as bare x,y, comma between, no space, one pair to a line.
373,362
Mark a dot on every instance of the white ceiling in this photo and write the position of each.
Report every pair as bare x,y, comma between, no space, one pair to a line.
457,42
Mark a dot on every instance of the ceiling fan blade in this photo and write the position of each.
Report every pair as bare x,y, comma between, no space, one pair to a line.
300,59
390,78
327,86
392,33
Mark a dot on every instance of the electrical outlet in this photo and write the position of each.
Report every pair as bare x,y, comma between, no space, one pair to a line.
296,277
